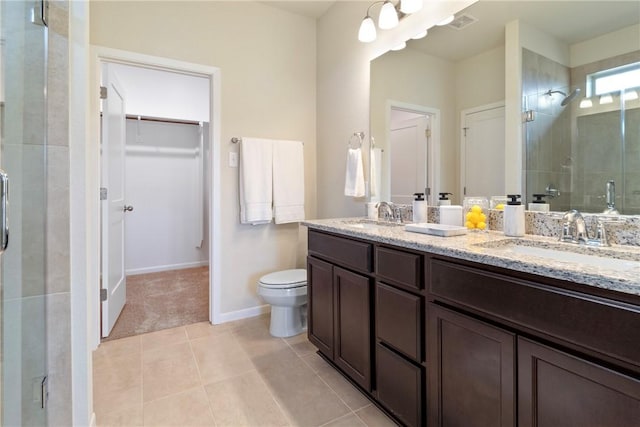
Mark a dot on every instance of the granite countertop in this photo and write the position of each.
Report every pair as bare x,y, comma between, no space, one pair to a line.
488,248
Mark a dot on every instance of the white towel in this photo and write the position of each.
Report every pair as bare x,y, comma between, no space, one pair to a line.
354,178
256,187
288,181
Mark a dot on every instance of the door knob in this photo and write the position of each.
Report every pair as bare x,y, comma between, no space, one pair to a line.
128,208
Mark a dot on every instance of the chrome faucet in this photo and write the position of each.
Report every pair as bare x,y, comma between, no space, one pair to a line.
574,230
611,199
386,211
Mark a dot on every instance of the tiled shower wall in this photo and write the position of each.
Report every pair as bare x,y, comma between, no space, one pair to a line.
548,136
603,149
578,156
58,281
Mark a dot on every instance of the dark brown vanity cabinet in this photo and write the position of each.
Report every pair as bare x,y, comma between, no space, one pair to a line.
488,365
399,325
339,318
471,372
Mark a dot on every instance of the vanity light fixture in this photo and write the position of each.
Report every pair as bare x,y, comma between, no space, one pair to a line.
399,46
630,95
606,99
586,103
387,19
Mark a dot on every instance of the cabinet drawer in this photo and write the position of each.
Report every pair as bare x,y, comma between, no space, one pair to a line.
345,252
607,327
400,386
399,320
399,267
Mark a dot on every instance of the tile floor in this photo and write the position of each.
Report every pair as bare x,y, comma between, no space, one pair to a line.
234,374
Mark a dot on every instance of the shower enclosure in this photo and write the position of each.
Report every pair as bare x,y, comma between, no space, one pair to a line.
23,89
580,144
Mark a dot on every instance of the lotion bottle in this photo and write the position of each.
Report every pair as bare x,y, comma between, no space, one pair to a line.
443,200
514,217
420,208
539,205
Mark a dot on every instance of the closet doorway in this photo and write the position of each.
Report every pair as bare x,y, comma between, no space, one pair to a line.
165,168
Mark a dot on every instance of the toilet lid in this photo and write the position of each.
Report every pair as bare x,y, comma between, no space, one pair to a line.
285,278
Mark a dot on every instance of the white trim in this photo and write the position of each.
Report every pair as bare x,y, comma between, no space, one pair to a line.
94,421
244,313
101,54
159,268
433,151
463,142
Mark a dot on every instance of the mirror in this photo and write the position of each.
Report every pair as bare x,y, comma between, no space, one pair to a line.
455,77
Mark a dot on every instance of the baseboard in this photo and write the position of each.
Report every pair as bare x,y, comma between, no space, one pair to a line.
156,269
94,422
244,313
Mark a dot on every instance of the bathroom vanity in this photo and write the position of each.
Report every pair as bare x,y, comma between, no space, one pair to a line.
461,331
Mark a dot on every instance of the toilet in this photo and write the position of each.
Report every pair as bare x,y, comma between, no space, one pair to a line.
286,291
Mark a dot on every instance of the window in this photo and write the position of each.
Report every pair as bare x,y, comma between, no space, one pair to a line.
614,80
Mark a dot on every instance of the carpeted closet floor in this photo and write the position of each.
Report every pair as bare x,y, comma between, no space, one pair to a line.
163,300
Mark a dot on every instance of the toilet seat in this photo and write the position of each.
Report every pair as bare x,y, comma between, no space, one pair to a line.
285,279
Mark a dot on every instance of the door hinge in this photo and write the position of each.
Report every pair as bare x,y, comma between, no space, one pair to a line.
103,193
427,133
464,191
528,116
465,131
103,92
103,294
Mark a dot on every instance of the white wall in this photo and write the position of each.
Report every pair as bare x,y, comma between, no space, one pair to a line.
163,181
267,59
612,44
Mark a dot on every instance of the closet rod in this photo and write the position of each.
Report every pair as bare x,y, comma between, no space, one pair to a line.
162,120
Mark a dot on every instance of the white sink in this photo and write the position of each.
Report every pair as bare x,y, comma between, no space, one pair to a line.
596,257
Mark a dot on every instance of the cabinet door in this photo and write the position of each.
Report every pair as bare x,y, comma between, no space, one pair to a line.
353,325
471,371
556,389
400,386
320,325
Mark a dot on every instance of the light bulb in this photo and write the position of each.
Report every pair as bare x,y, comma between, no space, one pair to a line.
410,6
606,99
399,46
586,103
420,35
448,20
388,16
367,32
630,95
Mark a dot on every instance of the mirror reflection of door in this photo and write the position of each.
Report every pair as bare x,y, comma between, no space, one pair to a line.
482,151
408,160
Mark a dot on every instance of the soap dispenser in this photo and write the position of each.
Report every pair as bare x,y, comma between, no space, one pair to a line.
514,217
539,205
420,208
443,200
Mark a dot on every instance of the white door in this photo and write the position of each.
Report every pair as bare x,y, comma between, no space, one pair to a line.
482,151
113,207
408,159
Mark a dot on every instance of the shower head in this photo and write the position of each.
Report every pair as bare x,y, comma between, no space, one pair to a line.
567,98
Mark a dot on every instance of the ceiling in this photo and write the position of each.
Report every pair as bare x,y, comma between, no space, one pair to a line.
568,21
310,8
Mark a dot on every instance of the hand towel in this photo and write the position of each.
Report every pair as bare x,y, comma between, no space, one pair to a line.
256,187
288,181
354,179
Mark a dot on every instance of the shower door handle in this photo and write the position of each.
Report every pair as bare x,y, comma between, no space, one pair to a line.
4,210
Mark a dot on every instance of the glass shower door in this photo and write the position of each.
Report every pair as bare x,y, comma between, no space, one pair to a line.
23,263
